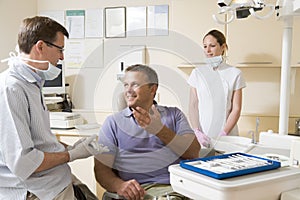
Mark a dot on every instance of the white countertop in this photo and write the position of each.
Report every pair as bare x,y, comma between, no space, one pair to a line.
75,132
266,185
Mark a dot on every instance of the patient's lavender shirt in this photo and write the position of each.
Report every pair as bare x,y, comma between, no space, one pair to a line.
138,154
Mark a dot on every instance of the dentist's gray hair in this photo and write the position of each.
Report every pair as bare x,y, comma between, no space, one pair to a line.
148,71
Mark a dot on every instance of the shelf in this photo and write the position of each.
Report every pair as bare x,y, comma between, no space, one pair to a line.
263,66
265,115
248,65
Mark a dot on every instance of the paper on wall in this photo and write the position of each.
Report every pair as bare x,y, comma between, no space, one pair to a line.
75,23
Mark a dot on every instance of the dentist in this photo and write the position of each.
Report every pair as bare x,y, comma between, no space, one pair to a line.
216,92
33,164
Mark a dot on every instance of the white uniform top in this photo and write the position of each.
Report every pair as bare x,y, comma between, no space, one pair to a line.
214,91
24,135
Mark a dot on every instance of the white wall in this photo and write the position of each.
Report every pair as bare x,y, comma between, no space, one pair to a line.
11,14
88,90
188,18
189,21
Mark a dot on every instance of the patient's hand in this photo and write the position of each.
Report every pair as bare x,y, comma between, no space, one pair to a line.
150,121
131,190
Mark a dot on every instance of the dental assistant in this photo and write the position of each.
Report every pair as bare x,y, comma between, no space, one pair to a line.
215,92
33,164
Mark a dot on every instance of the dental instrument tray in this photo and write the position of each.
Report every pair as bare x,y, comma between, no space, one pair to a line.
229,165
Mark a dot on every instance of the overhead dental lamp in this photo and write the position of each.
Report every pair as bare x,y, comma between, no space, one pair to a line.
239,9
286,10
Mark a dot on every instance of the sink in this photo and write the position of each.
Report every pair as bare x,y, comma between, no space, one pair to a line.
231,144
278,154
235,140
261,150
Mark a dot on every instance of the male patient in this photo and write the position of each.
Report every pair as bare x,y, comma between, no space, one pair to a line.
144,139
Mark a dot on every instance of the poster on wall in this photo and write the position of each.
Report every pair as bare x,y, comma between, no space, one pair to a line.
136,21
75,23
158,20
74,56
115,25
94,23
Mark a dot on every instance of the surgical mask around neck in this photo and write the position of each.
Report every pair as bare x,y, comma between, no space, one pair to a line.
49,74
13,59
214,61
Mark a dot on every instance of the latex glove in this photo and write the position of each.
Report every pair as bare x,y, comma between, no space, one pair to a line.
222,133
150,121
69,147
202,138
86,147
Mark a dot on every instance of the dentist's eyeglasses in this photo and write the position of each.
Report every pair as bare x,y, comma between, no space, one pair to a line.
61,49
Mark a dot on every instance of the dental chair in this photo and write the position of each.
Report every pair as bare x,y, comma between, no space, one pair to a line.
110,196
